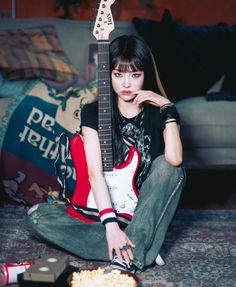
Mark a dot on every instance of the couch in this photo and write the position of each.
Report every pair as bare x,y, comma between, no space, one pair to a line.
38,104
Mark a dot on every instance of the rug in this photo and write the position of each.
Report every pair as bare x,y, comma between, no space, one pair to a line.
199,249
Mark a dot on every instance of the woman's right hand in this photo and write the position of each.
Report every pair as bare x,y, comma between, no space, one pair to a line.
116,239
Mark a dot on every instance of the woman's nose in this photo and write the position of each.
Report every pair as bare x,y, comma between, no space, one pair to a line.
126,82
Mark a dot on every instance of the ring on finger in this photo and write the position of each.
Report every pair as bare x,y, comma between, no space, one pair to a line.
125,247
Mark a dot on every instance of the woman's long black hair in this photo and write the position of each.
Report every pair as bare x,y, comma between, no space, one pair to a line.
131,53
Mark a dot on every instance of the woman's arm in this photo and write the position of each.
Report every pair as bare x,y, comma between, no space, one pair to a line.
116,238
173,146
95,171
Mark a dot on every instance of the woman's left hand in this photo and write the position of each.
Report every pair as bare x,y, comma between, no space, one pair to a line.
149,97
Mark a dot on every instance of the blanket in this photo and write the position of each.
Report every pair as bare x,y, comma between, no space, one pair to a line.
31,125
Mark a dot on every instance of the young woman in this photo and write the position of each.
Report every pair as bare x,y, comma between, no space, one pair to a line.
144,117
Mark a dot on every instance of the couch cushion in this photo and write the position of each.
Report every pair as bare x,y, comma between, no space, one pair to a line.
35,53
189,58
207,124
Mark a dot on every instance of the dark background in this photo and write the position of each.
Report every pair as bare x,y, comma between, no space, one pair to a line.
194,12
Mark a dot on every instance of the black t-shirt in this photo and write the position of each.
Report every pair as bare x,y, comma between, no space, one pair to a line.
145,131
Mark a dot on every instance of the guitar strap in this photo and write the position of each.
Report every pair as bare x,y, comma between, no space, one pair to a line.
128,128
63,144
63,154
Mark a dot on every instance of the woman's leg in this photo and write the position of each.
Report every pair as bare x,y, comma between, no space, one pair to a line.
158,200
52,223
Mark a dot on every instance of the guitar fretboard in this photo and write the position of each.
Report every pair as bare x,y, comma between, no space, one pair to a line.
104,105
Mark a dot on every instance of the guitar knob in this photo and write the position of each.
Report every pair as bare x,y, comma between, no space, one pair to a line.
122,205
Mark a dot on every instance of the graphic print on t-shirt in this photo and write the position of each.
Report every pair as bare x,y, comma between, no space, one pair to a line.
134,136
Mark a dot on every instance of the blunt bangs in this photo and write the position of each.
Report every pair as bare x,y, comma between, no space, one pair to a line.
126,65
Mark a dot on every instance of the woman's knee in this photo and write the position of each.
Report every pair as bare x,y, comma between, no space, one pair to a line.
41,214
163,176
33,216
42,218
32,209
162,168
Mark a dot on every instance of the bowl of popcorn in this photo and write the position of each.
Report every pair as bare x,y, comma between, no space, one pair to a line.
103,277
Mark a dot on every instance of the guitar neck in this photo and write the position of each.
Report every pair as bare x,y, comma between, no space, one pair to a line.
104,105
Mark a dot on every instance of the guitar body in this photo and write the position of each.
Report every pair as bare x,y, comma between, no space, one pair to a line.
120,182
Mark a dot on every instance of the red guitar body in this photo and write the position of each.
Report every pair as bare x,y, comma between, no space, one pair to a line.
120,181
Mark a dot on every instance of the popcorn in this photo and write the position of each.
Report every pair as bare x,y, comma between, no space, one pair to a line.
98,278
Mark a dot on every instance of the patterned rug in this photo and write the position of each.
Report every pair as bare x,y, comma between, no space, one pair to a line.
199,250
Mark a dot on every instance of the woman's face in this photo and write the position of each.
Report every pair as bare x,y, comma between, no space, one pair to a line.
125,84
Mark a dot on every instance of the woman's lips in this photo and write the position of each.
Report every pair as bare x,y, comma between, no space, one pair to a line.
126,93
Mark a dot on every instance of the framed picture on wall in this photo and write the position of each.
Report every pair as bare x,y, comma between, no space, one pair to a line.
92,62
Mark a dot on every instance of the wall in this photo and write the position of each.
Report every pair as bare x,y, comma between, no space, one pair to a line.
193,12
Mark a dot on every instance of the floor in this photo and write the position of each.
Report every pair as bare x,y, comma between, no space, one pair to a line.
213,189
203,190
199,249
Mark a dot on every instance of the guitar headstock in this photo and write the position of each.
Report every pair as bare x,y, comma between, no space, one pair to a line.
104,23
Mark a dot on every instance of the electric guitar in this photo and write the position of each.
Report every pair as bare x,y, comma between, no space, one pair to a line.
120,179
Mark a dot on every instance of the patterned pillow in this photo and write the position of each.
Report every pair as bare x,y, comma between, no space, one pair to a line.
34,53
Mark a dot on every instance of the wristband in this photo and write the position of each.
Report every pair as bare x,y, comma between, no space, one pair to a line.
167,104
107,215
171,121
168,112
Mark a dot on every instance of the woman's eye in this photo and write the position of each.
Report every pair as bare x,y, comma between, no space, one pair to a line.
117,75
136,75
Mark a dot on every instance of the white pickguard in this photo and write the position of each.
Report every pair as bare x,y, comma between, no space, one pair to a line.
121,187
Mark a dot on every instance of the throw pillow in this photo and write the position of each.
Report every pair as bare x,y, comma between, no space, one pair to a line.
35,53
189,58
